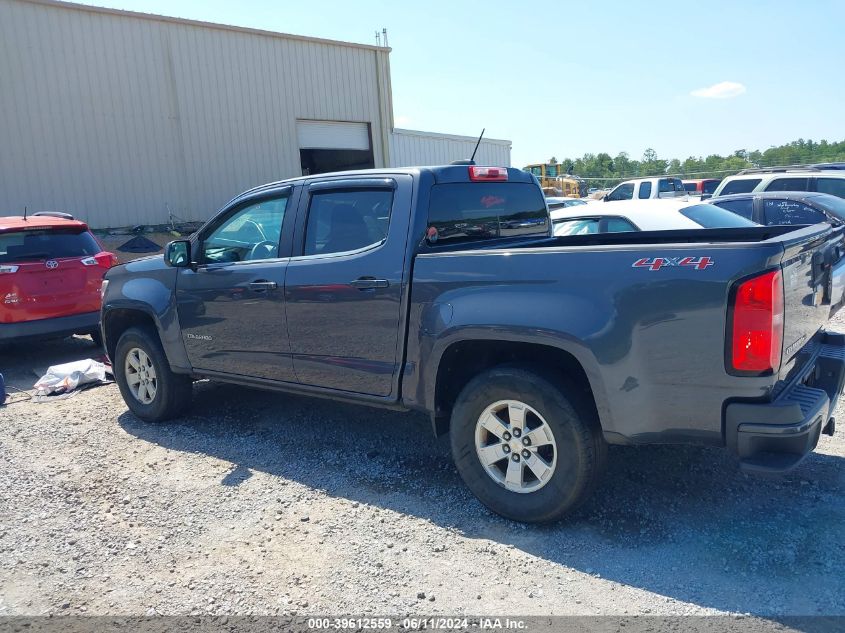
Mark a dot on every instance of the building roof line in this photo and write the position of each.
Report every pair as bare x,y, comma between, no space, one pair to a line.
199,23
455,137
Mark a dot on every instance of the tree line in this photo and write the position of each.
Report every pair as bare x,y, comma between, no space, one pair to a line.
610,170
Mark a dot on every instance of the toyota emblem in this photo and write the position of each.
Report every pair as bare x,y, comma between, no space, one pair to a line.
52,263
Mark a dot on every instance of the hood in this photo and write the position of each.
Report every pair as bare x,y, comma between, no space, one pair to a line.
140,265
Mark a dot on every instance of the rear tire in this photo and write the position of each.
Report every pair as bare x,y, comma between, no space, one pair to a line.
148,386
560,464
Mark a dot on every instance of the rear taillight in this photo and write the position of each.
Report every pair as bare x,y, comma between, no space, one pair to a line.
757,324
104,260
488,174
8,270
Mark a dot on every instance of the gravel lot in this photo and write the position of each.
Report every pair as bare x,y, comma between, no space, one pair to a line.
261,503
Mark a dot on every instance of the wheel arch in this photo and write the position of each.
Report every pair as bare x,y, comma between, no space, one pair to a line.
116,320
460,360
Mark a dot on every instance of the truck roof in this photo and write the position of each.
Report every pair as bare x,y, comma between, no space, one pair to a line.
792,195
440,173
648,179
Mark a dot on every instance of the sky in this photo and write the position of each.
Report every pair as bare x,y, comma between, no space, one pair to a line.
561,79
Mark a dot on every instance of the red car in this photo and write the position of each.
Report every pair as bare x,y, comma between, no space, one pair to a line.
701,186
51,271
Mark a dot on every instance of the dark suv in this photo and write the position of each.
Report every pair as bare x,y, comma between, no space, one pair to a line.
785,207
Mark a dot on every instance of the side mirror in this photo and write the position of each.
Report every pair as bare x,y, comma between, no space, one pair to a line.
706,196
178,253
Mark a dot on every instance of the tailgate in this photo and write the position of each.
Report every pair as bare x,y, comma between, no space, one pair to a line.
48,289
48,272
813,285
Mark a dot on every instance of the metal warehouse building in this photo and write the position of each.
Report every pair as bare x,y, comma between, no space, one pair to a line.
126,118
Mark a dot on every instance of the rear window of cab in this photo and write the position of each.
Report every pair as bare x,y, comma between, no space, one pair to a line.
23,246
473,212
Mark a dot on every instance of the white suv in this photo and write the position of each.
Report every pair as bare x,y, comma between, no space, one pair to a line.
830,181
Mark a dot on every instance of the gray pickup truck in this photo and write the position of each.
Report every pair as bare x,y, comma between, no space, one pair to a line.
441,289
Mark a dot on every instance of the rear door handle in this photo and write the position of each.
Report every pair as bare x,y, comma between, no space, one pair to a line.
369,283
262,285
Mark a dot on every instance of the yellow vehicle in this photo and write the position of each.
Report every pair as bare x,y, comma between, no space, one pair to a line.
554,181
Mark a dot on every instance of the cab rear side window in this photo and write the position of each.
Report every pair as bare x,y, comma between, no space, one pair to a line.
472,212
23,246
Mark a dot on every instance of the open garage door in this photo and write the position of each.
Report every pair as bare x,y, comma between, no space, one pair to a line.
326,146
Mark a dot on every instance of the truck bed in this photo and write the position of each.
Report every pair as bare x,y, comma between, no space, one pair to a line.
651,339
683,236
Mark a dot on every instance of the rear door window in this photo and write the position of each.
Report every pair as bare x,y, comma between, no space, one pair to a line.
744,207
790,212
788,184
471,212
833,186
741,185
348,220
709,216
645,190
23,246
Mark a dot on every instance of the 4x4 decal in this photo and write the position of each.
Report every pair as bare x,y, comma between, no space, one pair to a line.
656,263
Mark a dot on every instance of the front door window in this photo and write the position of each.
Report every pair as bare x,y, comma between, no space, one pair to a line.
250,234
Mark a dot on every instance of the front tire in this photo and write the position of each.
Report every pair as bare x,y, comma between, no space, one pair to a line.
148,386
530,449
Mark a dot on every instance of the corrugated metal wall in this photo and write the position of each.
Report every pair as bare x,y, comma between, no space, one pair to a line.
122,119
410,147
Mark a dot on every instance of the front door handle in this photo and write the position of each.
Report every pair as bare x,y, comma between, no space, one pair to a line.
369,283
262,285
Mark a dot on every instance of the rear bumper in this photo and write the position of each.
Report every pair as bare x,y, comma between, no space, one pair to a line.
59,326
774,437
